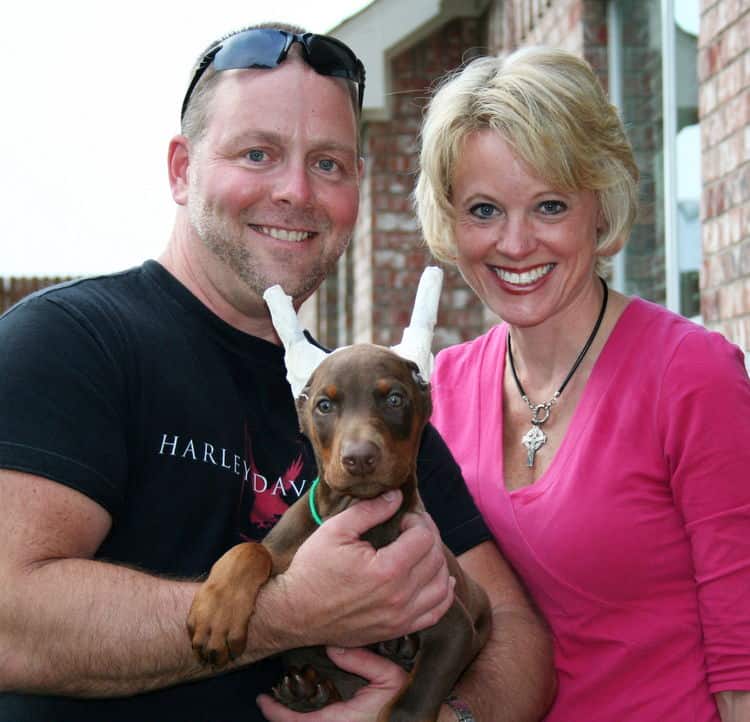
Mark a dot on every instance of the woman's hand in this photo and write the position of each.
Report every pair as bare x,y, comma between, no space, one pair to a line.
385,679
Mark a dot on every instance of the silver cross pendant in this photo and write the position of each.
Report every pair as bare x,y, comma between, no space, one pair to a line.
533,440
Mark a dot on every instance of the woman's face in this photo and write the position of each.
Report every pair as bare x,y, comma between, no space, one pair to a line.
526,249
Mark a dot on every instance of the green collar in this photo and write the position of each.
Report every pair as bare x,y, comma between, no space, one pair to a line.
311,499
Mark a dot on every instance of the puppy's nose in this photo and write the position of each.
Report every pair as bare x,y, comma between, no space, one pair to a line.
360,457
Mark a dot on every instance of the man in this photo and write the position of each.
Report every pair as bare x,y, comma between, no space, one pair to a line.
147,426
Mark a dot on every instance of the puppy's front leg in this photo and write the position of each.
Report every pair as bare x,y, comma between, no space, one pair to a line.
223,605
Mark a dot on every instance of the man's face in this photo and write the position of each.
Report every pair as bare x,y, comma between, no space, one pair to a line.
274,181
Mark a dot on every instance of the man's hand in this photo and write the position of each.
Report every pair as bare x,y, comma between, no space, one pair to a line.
341,591
385,679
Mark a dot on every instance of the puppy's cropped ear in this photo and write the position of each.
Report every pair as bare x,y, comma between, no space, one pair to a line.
303,398
423,385
302,403
301,357
417,339
419,379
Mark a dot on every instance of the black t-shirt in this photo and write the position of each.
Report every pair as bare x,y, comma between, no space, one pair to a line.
128,389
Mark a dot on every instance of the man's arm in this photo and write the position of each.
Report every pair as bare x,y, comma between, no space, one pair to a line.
513,678
734,706
75,626
71,625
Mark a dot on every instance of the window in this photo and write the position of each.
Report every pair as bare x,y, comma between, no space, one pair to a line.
653,80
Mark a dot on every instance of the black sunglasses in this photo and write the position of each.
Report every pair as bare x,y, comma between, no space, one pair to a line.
268,47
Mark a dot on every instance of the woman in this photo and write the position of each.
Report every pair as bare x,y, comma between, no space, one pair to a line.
604,439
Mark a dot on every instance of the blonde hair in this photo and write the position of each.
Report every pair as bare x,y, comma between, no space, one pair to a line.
548,105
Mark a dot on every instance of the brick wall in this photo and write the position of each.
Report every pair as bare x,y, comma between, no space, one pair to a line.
643,117
724,76
549,22
388,253
14,289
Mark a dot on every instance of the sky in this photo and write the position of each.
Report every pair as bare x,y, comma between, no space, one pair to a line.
91,92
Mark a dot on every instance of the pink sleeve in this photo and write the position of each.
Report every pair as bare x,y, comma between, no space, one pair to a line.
704,414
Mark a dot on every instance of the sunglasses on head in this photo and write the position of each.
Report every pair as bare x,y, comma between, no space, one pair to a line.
267,48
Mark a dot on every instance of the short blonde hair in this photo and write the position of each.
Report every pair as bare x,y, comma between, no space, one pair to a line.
548,105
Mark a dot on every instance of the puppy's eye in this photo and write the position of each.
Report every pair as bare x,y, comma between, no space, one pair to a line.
395,400
324,406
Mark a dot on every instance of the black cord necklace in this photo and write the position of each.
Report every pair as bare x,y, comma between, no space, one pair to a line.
535,438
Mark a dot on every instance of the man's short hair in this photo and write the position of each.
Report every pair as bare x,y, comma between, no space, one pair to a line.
195,119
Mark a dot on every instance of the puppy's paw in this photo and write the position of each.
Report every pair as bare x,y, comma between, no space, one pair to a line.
305,690
222,607
403,650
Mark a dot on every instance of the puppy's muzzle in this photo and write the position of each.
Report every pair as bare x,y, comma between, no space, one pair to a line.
360,458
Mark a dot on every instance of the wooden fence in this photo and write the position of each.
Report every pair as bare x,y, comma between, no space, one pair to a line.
14,289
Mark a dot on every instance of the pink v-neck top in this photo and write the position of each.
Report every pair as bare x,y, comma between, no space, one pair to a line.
635,543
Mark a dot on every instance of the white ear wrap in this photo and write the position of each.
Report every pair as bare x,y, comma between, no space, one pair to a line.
416,343
301,357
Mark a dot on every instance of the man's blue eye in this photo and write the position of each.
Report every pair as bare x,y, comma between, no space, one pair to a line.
327,164
256,155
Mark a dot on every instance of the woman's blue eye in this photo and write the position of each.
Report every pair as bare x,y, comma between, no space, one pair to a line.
552,208
483,210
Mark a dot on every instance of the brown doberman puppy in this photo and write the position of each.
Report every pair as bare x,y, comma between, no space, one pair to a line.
364,410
